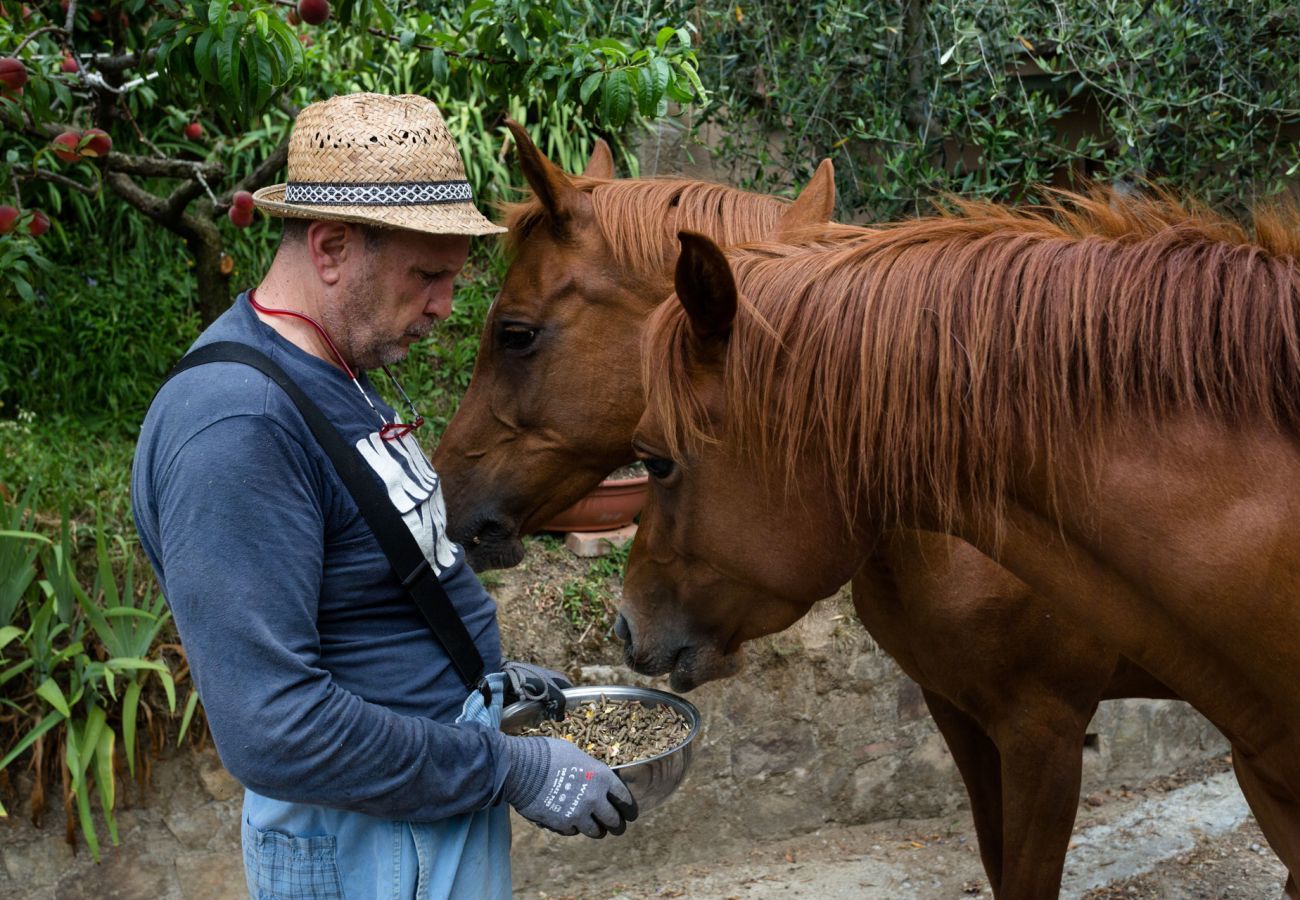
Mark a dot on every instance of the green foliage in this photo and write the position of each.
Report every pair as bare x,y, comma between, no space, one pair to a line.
984,99
238,56
21,261
80,468
587,600
75,656
97,337
145,69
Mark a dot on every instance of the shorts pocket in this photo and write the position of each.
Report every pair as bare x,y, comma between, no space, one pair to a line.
283,867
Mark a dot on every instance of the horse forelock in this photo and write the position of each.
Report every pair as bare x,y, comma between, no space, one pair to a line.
638,218
918,361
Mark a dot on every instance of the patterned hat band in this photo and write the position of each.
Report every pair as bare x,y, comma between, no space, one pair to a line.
388,193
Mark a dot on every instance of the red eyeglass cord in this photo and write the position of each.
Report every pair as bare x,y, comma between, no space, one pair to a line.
390,430
272,311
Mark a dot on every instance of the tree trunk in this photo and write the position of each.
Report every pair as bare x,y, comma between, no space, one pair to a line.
213,286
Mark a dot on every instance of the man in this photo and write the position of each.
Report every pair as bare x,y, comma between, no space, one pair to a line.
371,768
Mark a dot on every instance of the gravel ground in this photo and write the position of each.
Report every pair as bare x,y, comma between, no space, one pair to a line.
1189,835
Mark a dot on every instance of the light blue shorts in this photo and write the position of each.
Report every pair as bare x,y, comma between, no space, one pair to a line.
295,851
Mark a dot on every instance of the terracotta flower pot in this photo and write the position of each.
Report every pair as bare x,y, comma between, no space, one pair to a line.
613,504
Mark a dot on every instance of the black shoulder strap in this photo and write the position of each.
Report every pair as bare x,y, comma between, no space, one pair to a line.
399,545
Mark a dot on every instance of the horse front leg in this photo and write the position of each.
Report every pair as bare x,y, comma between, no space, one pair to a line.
1041,747
1276,811
980,766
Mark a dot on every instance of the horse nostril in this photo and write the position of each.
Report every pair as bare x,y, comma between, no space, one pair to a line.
487,531
494,530
622,630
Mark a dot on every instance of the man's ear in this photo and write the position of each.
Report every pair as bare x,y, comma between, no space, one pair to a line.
707,291
815,205
329,244
601,164
563,202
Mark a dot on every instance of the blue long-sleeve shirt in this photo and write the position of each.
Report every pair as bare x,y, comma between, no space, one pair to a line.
320,680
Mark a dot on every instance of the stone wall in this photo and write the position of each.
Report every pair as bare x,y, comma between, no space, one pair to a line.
822,729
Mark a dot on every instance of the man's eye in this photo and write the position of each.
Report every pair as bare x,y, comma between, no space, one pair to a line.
658,467
517,337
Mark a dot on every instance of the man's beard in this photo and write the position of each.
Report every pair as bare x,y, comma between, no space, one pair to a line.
364,341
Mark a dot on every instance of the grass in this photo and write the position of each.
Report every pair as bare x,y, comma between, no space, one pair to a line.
588,600
73,465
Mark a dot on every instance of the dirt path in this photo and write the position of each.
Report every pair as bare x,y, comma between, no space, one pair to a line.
1185,836
1188,836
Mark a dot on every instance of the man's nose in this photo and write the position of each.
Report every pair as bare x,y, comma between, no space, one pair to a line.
439,306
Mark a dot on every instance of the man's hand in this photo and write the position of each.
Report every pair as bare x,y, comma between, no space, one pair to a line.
553,783
525,681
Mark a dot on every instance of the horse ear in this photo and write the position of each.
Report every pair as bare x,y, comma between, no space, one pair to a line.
562,201
707,290
815,205
601,164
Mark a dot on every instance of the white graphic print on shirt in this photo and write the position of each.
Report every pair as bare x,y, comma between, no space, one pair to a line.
415,489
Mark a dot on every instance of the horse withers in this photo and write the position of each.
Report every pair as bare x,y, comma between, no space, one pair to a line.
1104,397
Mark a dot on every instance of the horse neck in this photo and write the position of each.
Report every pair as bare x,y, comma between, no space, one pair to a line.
956,353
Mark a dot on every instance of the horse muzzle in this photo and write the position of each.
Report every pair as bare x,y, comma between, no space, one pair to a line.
687,664
490,544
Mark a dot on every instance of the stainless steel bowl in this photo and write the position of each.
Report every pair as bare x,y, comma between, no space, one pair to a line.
650,780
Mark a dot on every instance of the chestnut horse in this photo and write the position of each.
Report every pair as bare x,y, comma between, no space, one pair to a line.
551,408
1103,395
556,388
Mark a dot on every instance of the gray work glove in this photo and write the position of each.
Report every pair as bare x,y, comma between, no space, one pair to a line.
525,681
554,784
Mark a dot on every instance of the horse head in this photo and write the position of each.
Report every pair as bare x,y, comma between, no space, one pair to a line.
724,553
556,389
516,435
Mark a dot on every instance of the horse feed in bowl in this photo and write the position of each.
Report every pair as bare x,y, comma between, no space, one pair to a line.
650,779
618,731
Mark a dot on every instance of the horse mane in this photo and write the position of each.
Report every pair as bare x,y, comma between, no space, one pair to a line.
639,217
916,361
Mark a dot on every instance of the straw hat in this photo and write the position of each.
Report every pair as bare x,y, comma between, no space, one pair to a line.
378,160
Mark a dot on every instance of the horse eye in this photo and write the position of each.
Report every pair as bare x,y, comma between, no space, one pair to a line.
516,337
658,467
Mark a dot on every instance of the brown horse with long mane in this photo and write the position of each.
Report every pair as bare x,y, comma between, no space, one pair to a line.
551,409
1104,396
555,391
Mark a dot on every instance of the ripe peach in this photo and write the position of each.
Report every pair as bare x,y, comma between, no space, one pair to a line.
242,200
69,64
313,12
241,218
70,142
194,131
39,225
98,143
8,217
13,74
